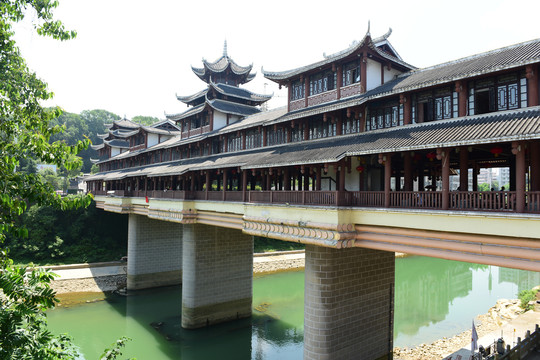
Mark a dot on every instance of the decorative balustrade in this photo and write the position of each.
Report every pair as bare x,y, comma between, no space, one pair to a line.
501,201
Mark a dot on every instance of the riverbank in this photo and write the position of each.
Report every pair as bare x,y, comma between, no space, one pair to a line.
103,277
81,281
109,276
506,318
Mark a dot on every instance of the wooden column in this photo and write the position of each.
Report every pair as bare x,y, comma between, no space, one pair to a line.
306,179
531,73
408,183
363,75
387,159
405,99
339,126
339,75
268,182
519,151
319,179
286,179
474,176
534,148
464,168
224,183
306,91
342,173
445,164
207,182
265,136
461,89
244,185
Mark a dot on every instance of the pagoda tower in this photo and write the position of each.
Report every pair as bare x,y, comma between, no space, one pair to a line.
223,102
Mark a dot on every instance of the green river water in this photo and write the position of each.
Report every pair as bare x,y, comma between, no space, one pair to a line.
433,298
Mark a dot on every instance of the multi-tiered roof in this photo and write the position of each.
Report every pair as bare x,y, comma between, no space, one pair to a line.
223,102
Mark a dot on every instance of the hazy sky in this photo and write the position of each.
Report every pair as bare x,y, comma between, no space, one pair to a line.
131,57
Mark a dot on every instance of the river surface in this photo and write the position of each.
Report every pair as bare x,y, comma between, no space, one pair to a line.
433,298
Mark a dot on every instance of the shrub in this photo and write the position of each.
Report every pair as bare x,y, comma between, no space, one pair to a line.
525,296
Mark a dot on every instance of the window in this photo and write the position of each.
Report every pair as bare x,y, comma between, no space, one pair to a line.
195,123
297,133
505,92
385,117
253,139
234,142
297,90
321,129
322,82
350,126
217,146
443,107
351,73
276,136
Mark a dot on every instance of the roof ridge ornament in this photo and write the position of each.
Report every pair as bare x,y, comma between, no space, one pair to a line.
368,27
225,48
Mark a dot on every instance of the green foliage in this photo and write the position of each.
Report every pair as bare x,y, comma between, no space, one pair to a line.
50,176
114,351
25,136
145,120
526,296
80,127
23,331
488,187
262,244
72,236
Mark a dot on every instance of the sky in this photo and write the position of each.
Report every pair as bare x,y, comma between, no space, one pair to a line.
132,57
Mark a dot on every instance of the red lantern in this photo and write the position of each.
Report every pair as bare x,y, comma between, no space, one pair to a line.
431,156
233,171
496,150
360,169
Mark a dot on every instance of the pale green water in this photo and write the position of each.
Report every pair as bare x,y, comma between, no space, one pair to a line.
433,298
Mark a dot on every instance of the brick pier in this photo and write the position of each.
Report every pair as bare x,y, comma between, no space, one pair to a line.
348,304
217,281
154,253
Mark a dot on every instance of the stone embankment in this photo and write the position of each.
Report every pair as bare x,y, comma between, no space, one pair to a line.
79,278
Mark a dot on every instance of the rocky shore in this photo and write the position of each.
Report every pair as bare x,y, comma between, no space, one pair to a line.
498,315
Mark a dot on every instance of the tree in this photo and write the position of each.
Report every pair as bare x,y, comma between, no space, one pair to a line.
25,131
145,120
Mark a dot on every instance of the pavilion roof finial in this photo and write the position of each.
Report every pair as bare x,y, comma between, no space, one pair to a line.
368,26
225,48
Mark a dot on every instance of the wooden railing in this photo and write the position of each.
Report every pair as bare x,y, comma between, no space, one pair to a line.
458,200
523,348
365,198
532,199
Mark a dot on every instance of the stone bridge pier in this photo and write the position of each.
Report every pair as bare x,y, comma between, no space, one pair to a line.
348,303
218,275
349,292
154,253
